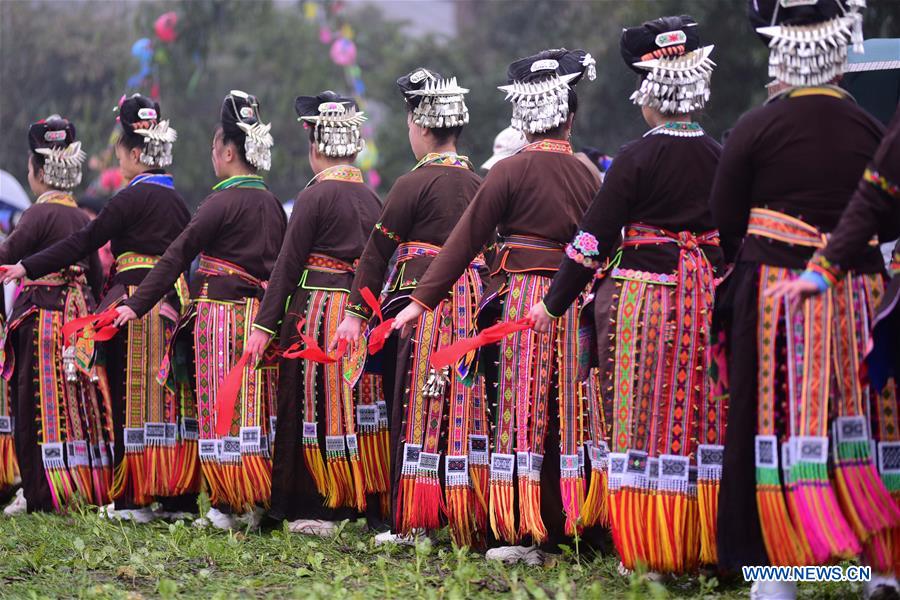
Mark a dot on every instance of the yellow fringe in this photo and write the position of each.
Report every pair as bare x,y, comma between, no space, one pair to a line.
359,484
316,467
596,503
461,515
9,468
708,506
502,515
130,479
340,483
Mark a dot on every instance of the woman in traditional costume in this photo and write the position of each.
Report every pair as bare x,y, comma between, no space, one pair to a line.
799,417
655,425
322,470
431,419
534,200
237,232
140,221
63,423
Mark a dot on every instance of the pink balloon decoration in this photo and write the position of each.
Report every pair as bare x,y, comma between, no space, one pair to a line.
374,178
324,35
165,27
343,52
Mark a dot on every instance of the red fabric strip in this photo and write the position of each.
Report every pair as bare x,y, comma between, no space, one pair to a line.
452,353
227,396
99,321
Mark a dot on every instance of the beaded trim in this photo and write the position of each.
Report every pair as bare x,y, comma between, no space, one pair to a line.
829,271
558,146
635,275
387,232
678,129
882,183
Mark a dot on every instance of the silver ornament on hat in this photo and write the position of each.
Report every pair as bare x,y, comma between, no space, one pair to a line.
676,84
336,129
62,166
158,140
442,104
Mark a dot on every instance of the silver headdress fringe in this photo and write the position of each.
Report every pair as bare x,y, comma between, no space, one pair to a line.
676,84
539,106
258,145
804,55
443,104
158,140
336,130
62,166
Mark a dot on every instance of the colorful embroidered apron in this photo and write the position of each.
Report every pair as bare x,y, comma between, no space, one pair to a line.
809,387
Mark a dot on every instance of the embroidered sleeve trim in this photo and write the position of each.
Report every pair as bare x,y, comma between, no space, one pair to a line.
358,310
829,271
882,183
261,328
387,233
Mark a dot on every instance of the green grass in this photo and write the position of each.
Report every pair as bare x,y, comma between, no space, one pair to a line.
79,555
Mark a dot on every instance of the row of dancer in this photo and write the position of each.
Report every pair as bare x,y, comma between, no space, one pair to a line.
609,411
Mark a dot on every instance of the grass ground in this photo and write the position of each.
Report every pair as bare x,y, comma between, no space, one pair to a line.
79,555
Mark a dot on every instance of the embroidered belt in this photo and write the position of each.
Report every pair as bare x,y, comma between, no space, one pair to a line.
328,264
128,261
217,267
640,234
410,250
532,242
778,226
71,276
131,261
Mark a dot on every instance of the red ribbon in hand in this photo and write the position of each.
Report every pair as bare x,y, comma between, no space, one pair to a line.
313,352
227,395
382,332
102,322
449,355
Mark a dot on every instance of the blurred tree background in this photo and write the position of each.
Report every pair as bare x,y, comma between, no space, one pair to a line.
76,58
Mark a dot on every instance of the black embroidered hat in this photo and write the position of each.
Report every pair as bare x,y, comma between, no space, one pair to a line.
676,67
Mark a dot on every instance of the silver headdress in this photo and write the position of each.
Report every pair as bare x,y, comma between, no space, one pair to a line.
543,104
539,106
813,54
676,84
258,141
62,166
442,103
337,129
158,140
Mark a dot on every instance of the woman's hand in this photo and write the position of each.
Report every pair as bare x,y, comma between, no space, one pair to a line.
540,318
349,330
256,345
124,314
796,291
11,273
408,317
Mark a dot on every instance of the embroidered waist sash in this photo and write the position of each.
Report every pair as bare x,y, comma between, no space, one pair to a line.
217,267
409,251
130,261
327,264
72,276
778,226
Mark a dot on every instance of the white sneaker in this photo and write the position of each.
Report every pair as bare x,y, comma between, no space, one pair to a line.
535,557
773,590
216,518
881,586
510,554
387,537
251,519
313,527
623,570
139,515
18,505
